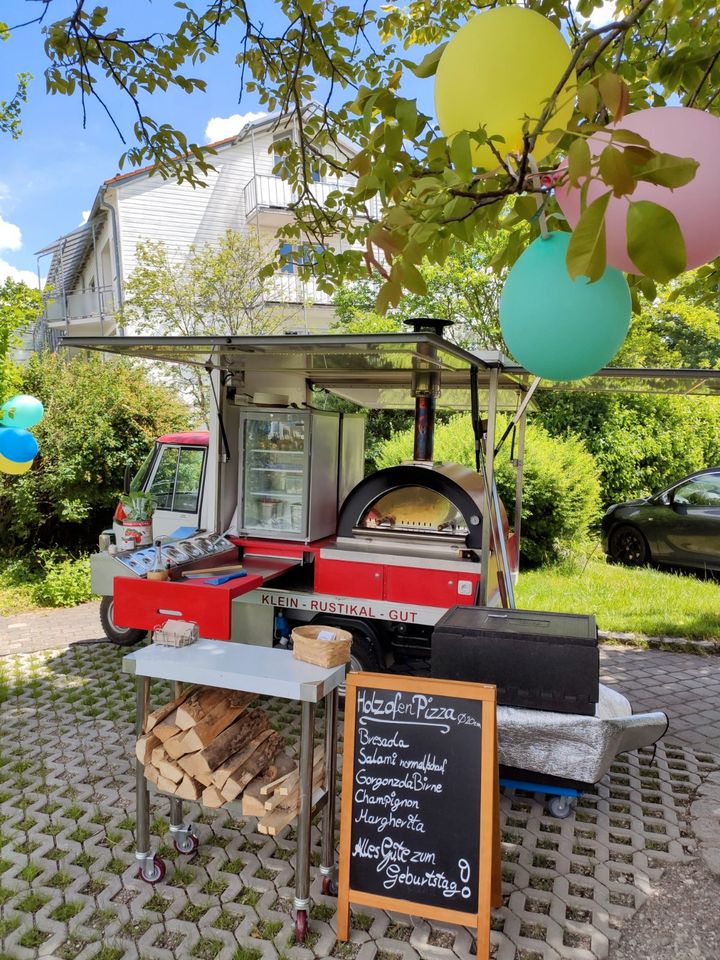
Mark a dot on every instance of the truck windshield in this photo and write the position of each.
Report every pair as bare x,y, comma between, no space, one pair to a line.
138,481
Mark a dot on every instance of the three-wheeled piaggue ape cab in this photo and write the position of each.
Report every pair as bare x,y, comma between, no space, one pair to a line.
385,556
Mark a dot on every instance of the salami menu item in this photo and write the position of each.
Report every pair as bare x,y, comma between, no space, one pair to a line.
419,798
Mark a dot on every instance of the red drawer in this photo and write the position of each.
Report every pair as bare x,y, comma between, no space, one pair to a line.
345,578
144,604
430,588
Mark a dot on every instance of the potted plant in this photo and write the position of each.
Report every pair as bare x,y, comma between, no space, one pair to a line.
138,508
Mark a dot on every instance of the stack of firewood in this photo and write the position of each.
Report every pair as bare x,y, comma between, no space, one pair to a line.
275,800
209,745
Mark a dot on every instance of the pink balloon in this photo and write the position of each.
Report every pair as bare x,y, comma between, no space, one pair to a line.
683,132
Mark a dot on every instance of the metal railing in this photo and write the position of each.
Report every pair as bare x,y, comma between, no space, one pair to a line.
271,193
79,306
289,288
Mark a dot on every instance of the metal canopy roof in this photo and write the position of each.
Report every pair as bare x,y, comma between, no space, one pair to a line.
68,255
375,371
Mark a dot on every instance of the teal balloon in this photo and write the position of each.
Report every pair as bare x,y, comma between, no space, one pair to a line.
21,411
556,327
19,446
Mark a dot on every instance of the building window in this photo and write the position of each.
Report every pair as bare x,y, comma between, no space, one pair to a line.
285,251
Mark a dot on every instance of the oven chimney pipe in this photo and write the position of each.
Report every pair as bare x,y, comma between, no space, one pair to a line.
425,388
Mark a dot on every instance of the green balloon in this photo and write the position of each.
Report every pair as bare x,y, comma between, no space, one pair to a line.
556,327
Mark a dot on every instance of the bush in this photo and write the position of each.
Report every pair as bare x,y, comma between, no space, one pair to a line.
48,578
99,416
561,492
65,583
641,443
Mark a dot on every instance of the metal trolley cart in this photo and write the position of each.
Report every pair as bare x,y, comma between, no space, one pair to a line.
251,669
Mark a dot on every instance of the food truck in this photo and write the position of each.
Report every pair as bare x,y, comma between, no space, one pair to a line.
281,527
277,486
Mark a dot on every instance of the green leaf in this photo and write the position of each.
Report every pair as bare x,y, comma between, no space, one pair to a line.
614,93
579,160
407,117
655,242
460,155
588,100
667,170
429,64
586,254
615,171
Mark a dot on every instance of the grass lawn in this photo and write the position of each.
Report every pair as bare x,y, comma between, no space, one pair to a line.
628,600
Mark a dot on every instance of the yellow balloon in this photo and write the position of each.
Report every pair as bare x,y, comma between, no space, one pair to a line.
499,69
14,468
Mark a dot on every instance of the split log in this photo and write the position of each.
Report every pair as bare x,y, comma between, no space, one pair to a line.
170,770
276,821
189,789
157,715
174,746
145,746
157,755
212,797
265,753
271,787
293,799
253,799
167,728
217,720
236,761
190,763
167,786
196,707
234,738
151,773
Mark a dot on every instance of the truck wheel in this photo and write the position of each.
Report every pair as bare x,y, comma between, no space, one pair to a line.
121,636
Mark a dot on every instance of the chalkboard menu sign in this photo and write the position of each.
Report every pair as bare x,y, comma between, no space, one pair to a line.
420,828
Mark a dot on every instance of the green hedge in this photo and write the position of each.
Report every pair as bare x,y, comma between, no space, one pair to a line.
561,492
641,443
99,416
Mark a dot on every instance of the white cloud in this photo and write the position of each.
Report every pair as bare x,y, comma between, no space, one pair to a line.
85,215
219,128
603,14
23,276
10,236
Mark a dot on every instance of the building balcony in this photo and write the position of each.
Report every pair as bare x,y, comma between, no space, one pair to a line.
290,288
268,199
75,309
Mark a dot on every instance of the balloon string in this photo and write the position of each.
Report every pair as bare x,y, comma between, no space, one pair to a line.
539,199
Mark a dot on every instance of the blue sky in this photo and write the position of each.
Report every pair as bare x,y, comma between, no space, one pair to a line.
51,174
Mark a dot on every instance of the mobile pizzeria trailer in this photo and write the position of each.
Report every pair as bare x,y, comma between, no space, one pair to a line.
284,530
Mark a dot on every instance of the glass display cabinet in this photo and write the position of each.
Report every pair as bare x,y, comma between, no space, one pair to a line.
280,496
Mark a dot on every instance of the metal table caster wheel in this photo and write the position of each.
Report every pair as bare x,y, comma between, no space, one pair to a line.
156,874
560,807
301,920
186,843
329,887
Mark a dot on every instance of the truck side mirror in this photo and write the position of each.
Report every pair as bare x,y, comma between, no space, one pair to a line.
127,478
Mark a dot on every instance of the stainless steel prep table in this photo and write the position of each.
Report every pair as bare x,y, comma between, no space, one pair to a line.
252,669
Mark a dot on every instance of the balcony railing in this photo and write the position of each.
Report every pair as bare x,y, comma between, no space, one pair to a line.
65,309
272,193
289,288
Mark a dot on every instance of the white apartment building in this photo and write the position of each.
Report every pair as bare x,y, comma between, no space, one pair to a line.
89,266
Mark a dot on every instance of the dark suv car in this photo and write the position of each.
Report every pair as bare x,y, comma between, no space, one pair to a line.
679,526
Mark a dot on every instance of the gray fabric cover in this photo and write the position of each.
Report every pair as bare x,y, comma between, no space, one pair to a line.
575,747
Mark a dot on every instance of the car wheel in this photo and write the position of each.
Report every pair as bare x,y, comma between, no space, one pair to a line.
628,546
121,636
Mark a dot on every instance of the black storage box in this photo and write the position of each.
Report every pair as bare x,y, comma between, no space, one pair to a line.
544,661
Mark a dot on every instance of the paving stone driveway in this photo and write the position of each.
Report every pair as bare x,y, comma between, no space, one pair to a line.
67,874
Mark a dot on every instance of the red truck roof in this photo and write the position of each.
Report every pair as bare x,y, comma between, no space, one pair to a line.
192,438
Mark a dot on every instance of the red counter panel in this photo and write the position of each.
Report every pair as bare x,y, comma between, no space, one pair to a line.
146,604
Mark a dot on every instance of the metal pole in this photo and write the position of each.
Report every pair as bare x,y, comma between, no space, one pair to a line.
489,481
97,283
302,867
142,797
327,862
519,462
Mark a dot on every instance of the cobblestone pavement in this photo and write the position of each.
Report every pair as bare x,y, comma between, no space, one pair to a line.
50,629
67,874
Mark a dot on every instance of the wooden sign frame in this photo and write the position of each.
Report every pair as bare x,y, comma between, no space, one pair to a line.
489,878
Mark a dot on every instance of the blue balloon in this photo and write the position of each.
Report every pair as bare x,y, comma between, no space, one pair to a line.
17,445
556,327
21,411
